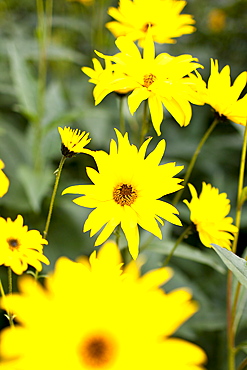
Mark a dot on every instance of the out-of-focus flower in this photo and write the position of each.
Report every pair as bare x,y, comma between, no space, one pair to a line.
98,315
163,17
4,181
223,96
217,20
73,141
164,80
126,190
20,247
209,214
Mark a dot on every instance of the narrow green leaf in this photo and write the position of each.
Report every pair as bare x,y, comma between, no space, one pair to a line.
24,83
187,252
236,264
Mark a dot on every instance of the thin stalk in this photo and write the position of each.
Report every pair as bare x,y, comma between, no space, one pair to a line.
10,316
231,309
145,125
179,240
193,160
117,233
243,365
57,174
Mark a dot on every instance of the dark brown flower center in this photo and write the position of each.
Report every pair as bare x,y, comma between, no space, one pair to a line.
124,194
97,351
148,79
146,26
13,243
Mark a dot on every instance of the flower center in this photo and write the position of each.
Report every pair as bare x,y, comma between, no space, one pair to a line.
148,79
98,351
146,26
124,194
13,243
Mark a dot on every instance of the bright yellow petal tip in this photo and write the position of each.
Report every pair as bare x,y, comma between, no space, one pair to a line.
73,141
4,181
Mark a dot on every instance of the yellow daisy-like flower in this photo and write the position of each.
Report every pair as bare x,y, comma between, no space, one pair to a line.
209,214
108,319
20,247
126,190
164,80
73,141
223,96
4,181
133,18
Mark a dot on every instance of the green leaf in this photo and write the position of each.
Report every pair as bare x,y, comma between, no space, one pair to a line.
187,252
236,264
24,83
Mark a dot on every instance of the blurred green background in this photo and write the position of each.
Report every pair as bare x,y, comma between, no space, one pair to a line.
31,111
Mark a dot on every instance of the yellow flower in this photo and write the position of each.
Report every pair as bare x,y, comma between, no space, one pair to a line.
103,78
126,190
73,141
209,214
223,97
133,18
161,80
20,247
84,320
4,181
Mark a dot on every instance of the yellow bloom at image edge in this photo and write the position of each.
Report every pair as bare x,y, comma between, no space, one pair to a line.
127,189
20,247
97,314
209,214
4,181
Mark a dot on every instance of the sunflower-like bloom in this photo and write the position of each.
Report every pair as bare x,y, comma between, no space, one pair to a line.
223,96
126,190
133,18
4,181
20,247
73,141
209,214
161,80
110,318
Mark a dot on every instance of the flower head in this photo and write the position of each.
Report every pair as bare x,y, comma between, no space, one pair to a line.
209,214
223,96
122,322
20,247
163,80
4,181
163,17
126,190
73,141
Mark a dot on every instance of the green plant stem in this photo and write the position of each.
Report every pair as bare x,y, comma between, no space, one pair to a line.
243,365
145,124
117,233
10,290
179,240
193,160
57,174
231,309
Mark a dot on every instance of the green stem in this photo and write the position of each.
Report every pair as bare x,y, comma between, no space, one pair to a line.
231,310
57,174
179,240
10,289
243,365
117,233
193,160
145,124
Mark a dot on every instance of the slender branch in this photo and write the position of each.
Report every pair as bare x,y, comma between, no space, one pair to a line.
179,240
193,160
145,125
